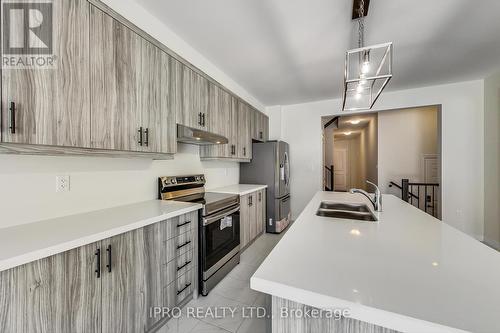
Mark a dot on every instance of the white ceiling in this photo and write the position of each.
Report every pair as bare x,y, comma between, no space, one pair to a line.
286,52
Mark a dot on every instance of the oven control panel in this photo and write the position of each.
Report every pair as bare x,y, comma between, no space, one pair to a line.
173,187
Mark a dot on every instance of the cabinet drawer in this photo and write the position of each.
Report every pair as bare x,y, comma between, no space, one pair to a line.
184,286
184,243
185,223
178,290
177,267
178,225
177,246
184,263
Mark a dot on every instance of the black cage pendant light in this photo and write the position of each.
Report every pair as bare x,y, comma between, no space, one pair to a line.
368,69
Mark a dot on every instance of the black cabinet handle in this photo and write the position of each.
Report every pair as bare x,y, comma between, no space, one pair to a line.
12,118
260,196
98,264
261,135
199,118
244,151
181,267
109,258
146,142
203,122
181,246
183,224
140,135
187,286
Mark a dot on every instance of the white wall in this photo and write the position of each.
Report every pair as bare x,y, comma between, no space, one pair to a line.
28,183
404,137
370,137
462,147
136,14
492,160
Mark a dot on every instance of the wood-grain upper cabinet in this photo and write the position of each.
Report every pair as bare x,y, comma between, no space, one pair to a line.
130,90
260,126
219,109
265,127
57,294
115,75
244,130
52,106
194,111
159,101
223,122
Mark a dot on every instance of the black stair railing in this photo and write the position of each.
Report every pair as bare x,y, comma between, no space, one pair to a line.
421,195
329,178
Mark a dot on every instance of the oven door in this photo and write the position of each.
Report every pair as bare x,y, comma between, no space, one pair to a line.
220,239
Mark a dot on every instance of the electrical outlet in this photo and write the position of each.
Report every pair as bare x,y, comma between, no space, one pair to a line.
62,184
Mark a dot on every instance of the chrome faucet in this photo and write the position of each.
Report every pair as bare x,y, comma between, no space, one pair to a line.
377,199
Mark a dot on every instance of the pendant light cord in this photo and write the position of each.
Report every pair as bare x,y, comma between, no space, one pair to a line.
361,24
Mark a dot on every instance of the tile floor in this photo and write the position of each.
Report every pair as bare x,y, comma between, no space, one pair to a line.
234,292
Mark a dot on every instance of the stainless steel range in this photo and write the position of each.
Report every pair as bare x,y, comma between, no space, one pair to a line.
218,227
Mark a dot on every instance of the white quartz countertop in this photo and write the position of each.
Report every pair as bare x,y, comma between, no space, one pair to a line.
408,271
28,242
241,189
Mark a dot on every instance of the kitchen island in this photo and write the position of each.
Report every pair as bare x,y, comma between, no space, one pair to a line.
408,272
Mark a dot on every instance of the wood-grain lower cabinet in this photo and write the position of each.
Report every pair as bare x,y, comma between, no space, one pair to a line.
126,282
150,267
261,211
252,216
245,208
58,294
108,286
51,106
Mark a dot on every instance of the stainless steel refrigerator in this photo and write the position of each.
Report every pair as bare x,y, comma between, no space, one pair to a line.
270,165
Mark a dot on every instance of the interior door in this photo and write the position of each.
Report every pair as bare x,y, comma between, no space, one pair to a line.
340,169
51,106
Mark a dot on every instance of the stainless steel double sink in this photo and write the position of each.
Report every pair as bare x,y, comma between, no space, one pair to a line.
346,211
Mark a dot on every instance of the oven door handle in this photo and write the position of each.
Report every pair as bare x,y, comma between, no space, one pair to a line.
229,211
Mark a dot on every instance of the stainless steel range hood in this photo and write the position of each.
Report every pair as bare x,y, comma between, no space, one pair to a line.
198,137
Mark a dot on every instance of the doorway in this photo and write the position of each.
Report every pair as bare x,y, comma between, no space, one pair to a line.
399,150
350,152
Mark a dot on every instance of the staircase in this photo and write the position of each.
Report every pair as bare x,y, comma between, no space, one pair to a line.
424,196
328,183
